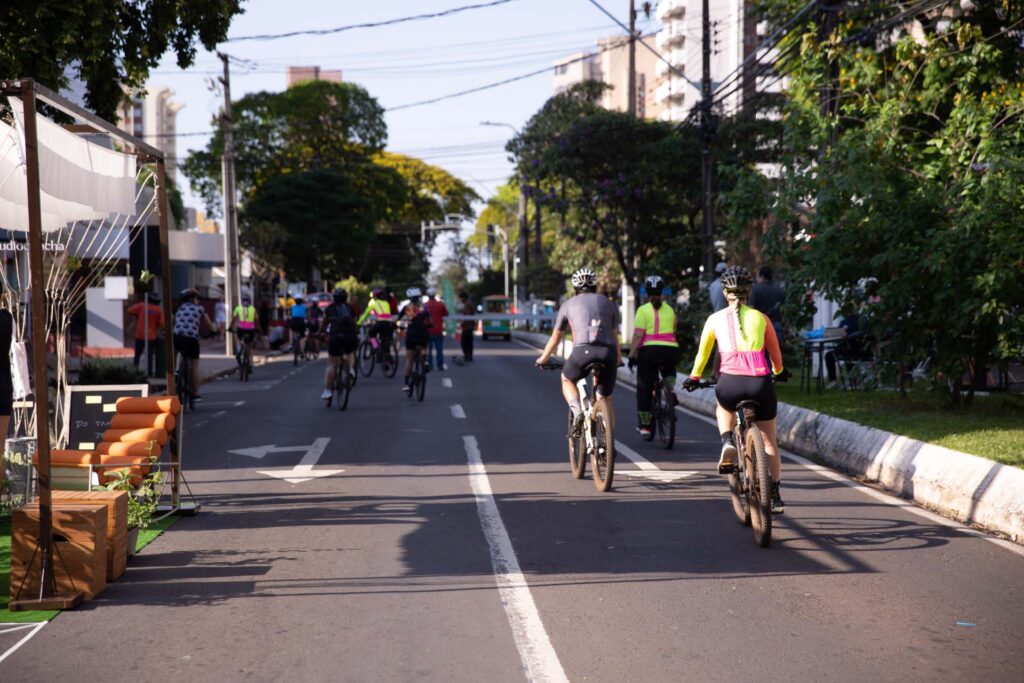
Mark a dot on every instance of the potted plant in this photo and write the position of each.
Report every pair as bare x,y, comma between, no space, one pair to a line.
142,500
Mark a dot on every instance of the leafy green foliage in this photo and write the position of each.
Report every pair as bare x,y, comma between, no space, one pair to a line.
907,205
142,500
110,46
110,371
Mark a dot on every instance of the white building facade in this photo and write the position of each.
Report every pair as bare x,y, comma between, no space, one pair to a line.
153,118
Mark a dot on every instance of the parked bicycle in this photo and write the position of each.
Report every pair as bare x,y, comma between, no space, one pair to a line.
750,482
663,414
597,440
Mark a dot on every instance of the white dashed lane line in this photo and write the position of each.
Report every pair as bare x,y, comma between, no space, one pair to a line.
446,383
458,412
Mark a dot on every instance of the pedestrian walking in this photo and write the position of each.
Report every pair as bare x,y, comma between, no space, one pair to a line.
768,297
438,312
149,320
220,317
468,327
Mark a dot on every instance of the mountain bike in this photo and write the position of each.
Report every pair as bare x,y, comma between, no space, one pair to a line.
750,482
663,414
418,376
597,440
310,348
183,382
372,352
344,380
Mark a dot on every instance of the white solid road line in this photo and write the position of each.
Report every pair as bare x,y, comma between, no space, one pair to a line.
539,658
446,382
24,640
647,469
458,412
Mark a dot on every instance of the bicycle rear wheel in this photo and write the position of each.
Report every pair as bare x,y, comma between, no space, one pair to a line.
759,489
737,485
577,453
366,359
389,364
342,386
602,456
421,386
666,418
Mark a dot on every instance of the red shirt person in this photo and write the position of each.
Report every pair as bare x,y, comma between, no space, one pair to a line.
438,312
149,320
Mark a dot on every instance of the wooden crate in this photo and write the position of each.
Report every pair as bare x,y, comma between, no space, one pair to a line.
79,532
117,523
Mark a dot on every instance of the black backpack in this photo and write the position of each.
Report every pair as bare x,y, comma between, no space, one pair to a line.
342,320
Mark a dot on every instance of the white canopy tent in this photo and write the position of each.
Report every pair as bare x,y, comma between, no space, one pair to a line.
51,179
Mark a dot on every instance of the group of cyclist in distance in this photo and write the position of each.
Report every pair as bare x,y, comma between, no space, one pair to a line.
746,341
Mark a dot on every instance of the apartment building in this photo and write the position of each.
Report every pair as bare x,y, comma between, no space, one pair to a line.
297,74
152,117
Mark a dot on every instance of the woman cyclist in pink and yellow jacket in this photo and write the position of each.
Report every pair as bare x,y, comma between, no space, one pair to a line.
743,335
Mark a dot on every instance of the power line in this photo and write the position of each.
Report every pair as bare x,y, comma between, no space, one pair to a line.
371,24
657,54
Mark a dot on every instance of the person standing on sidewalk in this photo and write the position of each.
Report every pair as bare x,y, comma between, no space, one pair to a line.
438,312
149,319
468,327
220,317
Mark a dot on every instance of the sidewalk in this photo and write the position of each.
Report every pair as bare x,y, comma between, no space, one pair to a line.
958,485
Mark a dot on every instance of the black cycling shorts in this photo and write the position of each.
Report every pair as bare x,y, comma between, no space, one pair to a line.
246,335
342,344
416,340
732,389
583,355
187,346
297,325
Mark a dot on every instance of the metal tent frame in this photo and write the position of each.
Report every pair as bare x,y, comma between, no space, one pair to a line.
31,92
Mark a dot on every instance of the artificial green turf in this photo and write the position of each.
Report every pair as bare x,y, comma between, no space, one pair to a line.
992,428
6,616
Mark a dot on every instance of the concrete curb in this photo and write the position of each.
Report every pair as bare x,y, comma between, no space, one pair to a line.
958,485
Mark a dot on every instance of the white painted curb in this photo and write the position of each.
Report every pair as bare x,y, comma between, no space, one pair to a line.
964,487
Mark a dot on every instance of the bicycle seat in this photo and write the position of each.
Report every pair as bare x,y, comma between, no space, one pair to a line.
594,367
750,404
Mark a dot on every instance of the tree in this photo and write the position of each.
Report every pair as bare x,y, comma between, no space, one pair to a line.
328,223
434,191
311,125
110,46
905,204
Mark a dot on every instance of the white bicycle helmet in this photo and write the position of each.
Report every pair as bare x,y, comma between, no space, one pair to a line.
654,284
584,277
413,293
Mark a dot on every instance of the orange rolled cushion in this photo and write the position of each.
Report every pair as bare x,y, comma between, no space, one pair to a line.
149,404
69,457
143,449
135,435
164,421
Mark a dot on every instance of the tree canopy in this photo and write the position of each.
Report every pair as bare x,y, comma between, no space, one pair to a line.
110,46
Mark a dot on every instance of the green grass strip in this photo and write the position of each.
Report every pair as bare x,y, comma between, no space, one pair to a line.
6,616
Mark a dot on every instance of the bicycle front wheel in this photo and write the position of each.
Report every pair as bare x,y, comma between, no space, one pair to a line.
759,489
577,453
602,455
737,482
342,387
421,386
366,359
666,419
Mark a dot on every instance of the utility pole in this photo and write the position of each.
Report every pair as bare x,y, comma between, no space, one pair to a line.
232,278
707,125
524,242
631,76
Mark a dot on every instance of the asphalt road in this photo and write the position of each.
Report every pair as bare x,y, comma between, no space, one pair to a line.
453,545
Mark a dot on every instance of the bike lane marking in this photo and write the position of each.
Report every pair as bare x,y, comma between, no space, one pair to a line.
539,658
35,630
647,469
458,412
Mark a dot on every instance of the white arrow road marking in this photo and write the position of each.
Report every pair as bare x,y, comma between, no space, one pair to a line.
458,412
35,629
262,451
535,650
446,383
647,469
304,470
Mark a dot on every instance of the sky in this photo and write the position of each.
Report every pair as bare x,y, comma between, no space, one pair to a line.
402,64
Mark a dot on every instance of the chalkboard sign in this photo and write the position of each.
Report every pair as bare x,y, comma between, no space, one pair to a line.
89,410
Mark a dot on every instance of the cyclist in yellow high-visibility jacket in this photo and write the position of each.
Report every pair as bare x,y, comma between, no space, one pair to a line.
380,310
654,349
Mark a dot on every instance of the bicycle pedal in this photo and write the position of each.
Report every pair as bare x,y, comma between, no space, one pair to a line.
727,468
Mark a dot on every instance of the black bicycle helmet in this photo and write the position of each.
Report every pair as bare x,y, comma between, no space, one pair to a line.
340,296
654,284
736,278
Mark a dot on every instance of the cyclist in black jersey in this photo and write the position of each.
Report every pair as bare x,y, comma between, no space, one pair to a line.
339,322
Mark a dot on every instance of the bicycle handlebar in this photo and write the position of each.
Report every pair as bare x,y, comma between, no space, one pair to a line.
550,365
